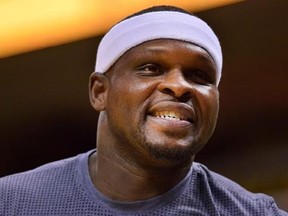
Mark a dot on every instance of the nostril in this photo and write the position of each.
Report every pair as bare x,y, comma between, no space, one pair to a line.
168,91
177,87
185,97
181,96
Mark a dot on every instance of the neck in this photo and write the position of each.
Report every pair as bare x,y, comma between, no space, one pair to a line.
120,180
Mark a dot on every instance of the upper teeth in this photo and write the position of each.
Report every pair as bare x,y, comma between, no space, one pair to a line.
169,115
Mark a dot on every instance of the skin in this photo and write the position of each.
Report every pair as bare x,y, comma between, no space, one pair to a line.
141,151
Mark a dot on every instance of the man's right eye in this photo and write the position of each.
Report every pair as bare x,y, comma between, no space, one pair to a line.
150,69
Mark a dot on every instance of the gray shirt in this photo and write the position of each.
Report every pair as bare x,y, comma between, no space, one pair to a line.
64,188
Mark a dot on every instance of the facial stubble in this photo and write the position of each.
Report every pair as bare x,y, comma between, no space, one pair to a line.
139,142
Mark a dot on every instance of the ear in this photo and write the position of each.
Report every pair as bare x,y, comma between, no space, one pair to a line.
98,85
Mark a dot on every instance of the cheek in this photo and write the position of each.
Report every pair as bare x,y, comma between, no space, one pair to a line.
142,88
129,96
116,104
209,103
139,93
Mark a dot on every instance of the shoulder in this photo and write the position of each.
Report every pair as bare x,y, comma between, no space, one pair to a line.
219,182
221,185
43,174
43,181
40,173
230,196
52,189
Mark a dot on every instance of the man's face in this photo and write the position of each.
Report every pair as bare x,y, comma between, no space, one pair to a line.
162,99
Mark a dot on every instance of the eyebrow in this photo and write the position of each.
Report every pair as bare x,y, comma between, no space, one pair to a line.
203,56
156,50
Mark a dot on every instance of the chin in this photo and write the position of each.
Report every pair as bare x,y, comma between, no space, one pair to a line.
172,152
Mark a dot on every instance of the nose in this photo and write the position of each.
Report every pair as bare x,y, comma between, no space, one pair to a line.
175,84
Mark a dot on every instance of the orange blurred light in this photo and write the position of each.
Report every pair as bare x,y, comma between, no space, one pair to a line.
28,25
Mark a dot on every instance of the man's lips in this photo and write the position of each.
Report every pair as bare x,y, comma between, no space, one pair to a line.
173,111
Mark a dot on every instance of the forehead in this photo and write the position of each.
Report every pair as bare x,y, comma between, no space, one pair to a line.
161,49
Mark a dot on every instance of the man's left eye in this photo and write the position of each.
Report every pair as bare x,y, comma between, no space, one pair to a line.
199,76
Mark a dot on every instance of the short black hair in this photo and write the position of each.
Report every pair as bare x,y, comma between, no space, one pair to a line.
159,8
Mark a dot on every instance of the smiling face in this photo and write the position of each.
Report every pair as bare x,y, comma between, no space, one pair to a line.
161,101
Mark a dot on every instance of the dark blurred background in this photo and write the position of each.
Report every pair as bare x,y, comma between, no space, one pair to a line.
45,111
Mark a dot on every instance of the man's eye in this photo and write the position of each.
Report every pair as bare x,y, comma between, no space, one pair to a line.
199,76
150,69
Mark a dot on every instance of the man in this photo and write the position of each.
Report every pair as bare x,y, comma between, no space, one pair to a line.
156,87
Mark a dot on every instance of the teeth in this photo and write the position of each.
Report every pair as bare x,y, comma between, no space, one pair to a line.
171,115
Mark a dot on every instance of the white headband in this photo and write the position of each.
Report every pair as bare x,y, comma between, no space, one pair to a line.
156,25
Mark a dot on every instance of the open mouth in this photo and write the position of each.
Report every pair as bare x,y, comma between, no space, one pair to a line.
178,113
171,115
